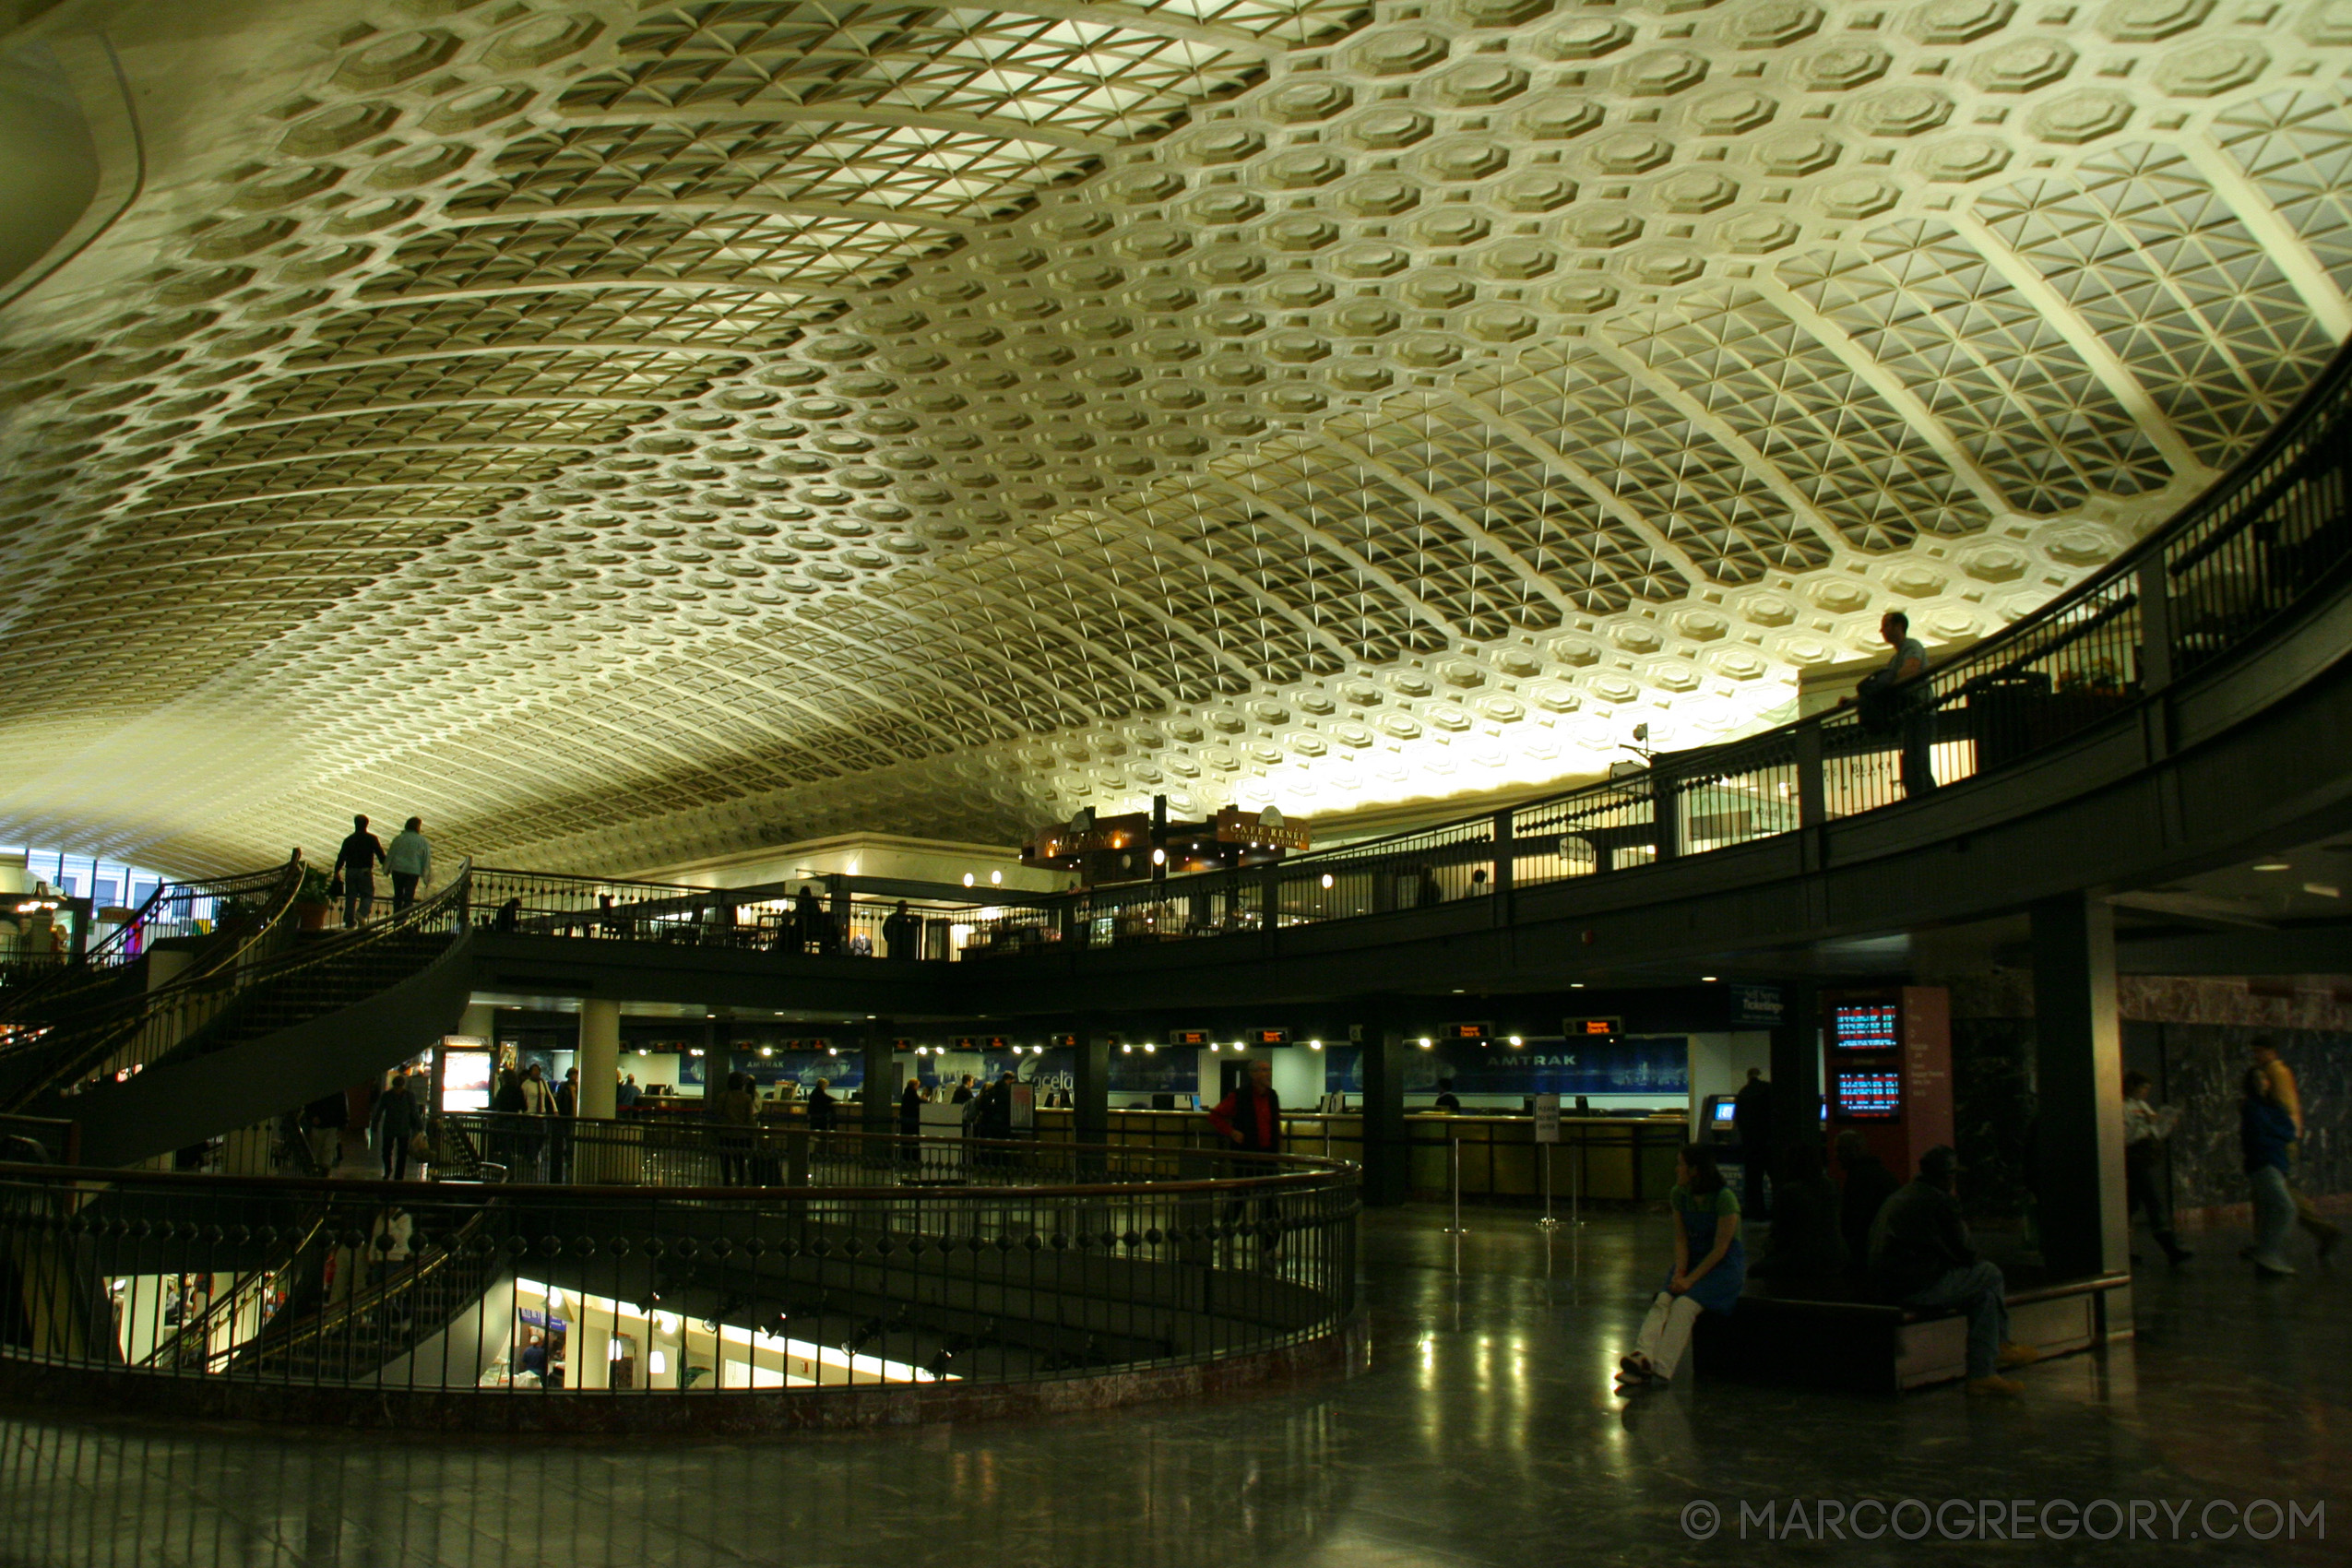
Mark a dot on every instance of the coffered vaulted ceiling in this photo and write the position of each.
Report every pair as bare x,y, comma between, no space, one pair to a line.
622,433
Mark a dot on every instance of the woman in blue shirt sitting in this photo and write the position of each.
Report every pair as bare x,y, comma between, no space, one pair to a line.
1710,1265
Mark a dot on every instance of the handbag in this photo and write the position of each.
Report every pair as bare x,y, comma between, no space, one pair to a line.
420,1147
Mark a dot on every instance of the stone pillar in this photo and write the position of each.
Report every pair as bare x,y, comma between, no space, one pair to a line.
2078,1059
1090,1083
1388,1175
1796,1072
599,1057
879,1099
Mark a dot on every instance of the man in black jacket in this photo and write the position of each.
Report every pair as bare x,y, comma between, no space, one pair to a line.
355,863
1922,1255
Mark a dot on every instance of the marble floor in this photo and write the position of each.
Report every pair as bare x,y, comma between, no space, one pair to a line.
1484,1432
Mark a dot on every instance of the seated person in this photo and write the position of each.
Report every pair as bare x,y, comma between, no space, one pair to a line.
1446,1098
1869,1184
1921,1256
1806,1242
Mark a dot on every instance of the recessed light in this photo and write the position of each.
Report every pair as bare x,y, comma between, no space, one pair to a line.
1707,979
2322,889
2272,865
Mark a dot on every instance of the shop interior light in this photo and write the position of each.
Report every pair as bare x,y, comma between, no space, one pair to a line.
613,1350
666,1322
659,1362
1126,1050
1213,1046
1516,1041
997,879
1326,879
1427,1042
555,1301
1314,1045
1160,857
967,879
1149,1050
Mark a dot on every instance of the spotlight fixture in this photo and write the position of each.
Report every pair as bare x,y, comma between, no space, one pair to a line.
1427,1043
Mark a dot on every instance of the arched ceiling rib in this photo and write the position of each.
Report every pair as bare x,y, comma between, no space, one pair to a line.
638,432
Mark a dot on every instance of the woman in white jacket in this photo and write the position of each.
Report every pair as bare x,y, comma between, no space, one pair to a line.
410,860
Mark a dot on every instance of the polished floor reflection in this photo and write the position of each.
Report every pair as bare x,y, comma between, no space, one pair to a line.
1484,1433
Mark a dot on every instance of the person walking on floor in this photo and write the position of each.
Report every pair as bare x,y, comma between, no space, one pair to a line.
397,1123
2283,1092
410,860
539,1103
910,1122
739,1121
1710,1267
559,1142
2145,1130
1922,1255
1751,1117
355,865
2265,1137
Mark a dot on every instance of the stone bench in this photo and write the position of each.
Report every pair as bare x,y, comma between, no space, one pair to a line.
1822,1334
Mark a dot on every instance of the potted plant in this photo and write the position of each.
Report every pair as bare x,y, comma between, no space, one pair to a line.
313,901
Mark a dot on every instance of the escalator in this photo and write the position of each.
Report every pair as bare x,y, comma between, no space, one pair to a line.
290,1017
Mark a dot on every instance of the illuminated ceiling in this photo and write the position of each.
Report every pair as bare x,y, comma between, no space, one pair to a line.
626,434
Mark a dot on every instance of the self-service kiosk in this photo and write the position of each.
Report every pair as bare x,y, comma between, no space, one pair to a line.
1887,1059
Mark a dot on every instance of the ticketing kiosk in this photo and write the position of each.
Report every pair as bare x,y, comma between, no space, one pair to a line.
1888,1070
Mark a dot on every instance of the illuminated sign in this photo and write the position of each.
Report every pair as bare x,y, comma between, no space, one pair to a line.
1268,1037
1874,1026
1474,1034
1592,1031
1874,1096
1188,1037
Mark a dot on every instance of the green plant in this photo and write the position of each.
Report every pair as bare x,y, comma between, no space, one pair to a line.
313,887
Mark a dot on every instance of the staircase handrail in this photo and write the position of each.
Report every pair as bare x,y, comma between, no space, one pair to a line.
264,957
103,962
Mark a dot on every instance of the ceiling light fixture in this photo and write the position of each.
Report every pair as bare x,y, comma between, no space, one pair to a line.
2272,865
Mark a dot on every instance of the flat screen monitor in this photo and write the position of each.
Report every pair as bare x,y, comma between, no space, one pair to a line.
1872,1025
465,1081
1726,1112
1870,1096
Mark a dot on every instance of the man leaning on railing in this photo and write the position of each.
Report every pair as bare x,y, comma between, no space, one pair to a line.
1894,698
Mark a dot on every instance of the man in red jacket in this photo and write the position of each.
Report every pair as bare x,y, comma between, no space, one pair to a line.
1250,1119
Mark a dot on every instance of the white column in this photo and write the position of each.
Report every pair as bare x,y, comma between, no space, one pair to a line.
599,1058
